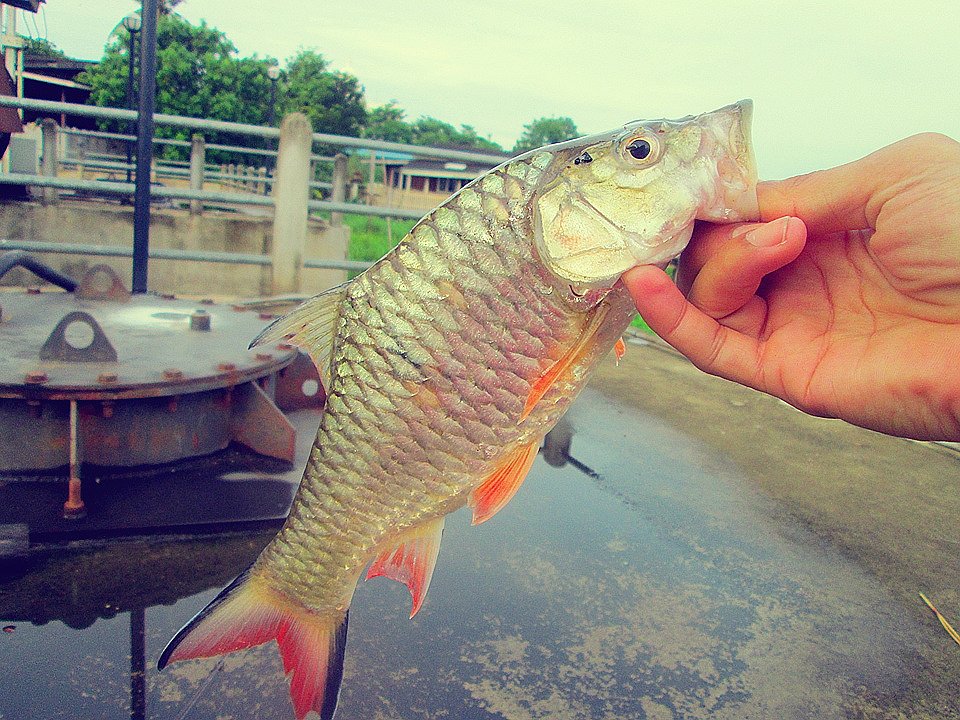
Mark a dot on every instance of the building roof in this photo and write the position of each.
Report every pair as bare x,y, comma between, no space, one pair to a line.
52,80
445,168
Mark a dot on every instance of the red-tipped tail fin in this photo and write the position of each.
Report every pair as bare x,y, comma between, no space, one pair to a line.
249,613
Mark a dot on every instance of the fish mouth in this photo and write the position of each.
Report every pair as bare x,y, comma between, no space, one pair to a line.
734,199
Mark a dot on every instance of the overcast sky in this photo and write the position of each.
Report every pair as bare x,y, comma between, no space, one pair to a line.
831,80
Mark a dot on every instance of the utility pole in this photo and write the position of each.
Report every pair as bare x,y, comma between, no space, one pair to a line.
147,101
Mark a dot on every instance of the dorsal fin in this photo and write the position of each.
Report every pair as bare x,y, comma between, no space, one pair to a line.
570,358
497,490
412,560
311,326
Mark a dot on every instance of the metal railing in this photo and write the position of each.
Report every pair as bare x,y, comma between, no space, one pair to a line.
241,129
232,258
300,154
246,129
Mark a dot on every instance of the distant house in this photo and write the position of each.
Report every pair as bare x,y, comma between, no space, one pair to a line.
422,184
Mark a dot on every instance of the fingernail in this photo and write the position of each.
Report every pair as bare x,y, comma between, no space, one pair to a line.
769,235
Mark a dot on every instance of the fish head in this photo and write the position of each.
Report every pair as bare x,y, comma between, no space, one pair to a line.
630,197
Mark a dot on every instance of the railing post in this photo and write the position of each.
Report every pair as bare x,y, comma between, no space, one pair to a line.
198,162
50,159
291,190
339,192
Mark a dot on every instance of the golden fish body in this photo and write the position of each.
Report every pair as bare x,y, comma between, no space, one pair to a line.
447,362
438,347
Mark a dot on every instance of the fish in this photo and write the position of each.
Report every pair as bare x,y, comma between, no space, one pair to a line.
447,362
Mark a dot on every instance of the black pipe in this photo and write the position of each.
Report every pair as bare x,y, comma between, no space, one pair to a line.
18,258
141,197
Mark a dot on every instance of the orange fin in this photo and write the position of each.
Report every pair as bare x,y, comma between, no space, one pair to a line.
620,349
497,490
412,561
249,613
561,366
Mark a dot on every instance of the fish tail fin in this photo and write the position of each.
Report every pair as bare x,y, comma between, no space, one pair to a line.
248,613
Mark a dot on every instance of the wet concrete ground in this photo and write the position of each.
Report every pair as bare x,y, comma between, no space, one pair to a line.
711,553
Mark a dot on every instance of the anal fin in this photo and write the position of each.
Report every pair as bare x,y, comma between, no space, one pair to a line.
412,561
497,490
620,349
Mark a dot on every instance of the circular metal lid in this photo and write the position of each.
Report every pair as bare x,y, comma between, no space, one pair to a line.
103,343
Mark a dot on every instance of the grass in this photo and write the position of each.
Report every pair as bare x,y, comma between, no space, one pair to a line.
369,236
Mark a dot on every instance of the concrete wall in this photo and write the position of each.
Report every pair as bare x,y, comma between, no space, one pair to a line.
102,224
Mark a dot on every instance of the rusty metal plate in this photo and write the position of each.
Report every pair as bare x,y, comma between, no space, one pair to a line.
164,346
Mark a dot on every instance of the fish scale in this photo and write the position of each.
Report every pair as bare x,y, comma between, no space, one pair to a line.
447,361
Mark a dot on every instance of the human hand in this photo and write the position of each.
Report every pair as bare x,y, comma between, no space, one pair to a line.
844,302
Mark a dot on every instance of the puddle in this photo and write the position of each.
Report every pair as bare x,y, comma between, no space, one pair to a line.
648,579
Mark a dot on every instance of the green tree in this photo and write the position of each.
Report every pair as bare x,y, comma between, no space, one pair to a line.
198,74
167,7
332,100
430,131
469,136
386,122
544,131
41,47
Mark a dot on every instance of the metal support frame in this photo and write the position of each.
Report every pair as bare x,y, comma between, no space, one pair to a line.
74,507
170,254
131,50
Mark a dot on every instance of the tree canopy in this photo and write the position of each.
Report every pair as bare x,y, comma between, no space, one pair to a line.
41,47
201,74
198,74
544,131
332,100
386,122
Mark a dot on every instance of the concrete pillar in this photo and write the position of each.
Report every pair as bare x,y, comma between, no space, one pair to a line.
49,164
340,180
291,190
198,162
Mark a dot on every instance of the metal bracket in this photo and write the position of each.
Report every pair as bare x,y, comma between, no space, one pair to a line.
101,283
78,338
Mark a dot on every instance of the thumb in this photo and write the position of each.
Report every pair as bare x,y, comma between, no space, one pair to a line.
712,347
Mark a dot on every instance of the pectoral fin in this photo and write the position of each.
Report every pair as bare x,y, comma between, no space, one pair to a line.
620,349
412,561
497,490
572,357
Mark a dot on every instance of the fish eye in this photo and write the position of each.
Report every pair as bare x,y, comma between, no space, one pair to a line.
644,149
640,149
